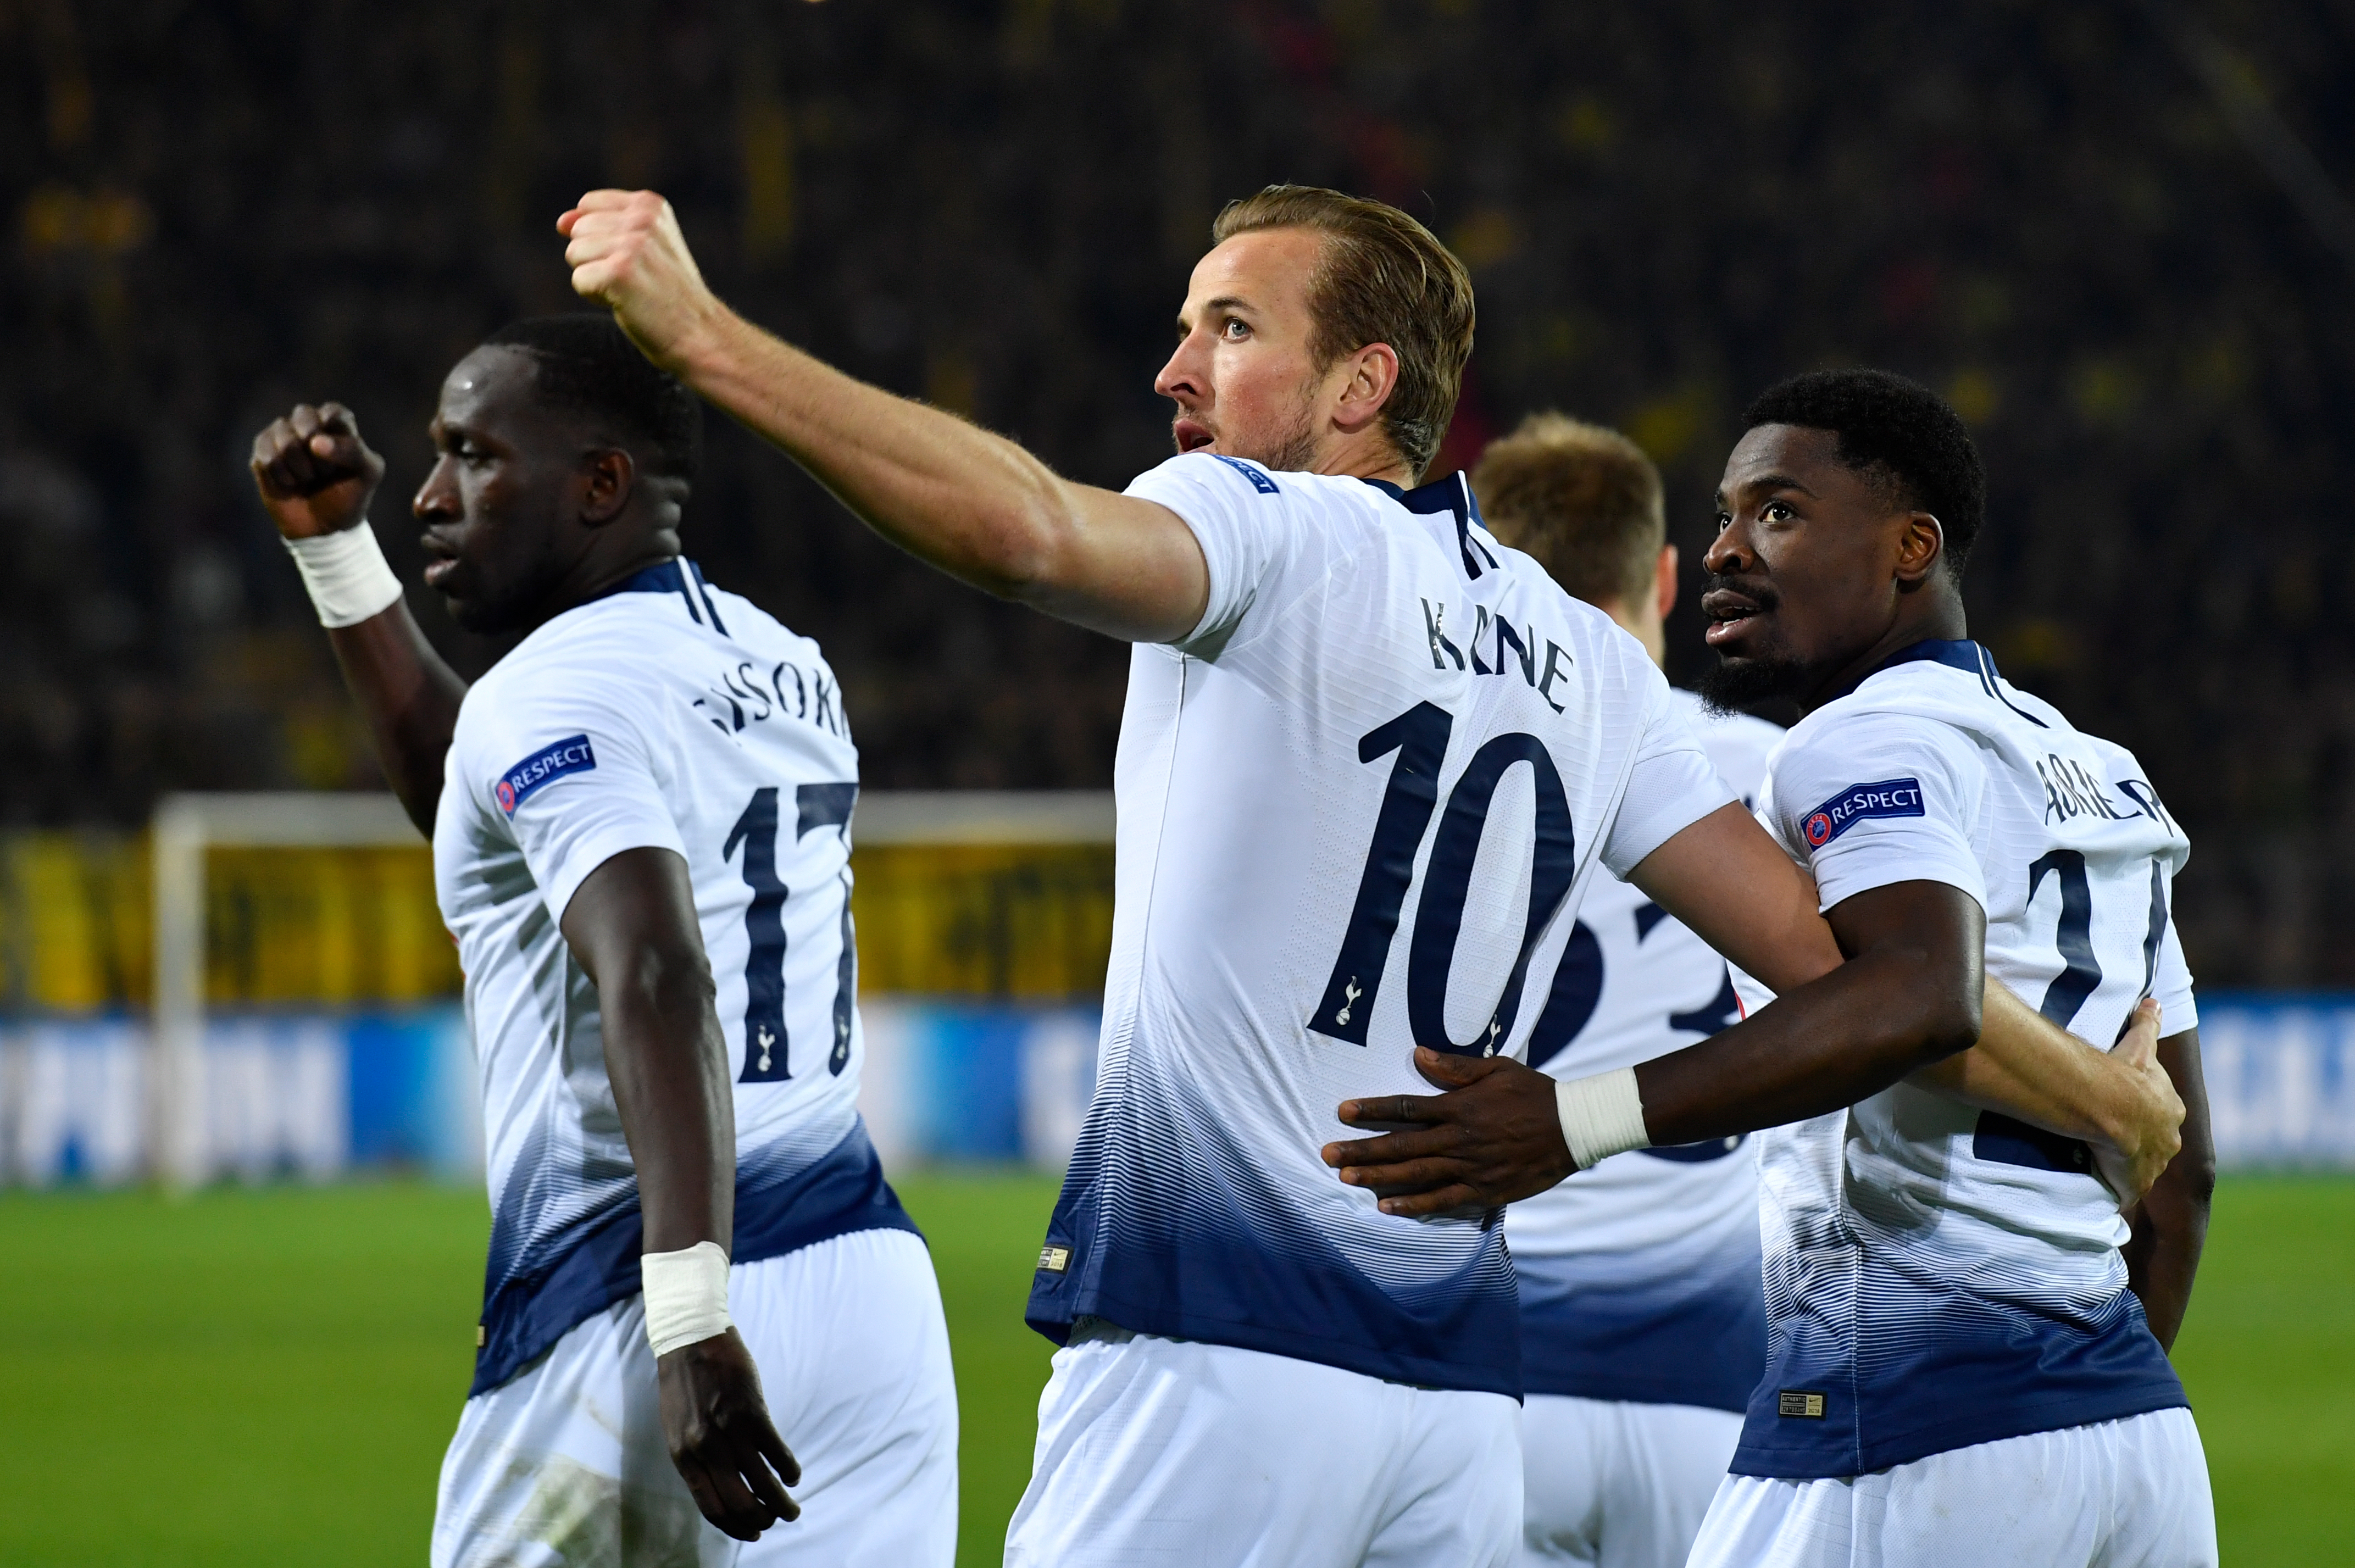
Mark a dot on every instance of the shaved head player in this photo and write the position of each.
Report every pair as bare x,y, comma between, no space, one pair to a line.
1369,756
641,823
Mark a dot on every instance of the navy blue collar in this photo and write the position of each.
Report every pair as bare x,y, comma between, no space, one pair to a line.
1961,654
1451,494
678,575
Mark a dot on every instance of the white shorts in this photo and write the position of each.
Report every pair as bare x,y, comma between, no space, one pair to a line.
1155,1451
566,1465
1618,1484
2118,1494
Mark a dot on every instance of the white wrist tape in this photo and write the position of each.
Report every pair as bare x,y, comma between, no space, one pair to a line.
686,1295
347,575
1601,1115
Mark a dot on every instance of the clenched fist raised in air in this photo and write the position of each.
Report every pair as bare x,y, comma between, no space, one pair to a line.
316,477
625,250
315,473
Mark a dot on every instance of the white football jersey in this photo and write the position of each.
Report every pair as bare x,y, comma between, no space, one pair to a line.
1938,1277
1356,807
662,714
1639,1278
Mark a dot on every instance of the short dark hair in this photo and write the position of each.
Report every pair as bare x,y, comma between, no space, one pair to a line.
1383,278
1896,432
587,365
1583,500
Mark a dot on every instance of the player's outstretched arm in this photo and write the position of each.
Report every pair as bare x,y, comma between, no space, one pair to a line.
633,927
975,505
2121,1102
2171,1225
316,477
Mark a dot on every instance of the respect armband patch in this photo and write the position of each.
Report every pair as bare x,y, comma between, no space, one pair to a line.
1889,797
1250,471
543,767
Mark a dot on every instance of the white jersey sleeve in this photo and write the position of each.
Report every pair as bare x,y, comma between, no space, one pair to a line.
570,772
1879,799
2171,984
1672,785
1248,528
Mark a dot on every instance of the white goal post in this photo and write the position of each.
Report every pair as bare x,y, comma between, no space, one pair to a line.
188,825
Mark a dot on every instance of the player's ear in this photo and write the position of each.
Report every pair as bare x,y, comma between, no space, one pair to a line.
1664,581
608,475
1373,373
1919,547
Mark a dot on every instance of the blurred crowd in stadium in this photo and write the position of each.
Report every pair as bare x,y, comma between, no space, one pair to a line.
2036,209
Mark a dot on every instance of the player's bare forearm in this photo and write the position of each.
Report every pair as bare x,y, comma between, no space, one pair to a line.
973,504
2028,1068
1733,887
2170,1228
410,696
633,927
1896,1006
1909,996
315,477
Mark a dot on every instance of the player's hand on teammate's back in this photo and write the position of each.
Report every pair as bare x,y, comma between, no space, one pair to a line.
315,473
626,251
2155,1132
720,1437
1493,1138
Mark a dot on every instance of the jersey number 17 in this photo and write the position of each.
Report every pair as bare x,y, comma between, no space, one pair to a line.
765,1038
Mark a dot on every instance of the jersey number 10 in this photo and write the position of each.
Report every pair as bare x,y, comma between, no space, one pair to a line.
819,806
1419,736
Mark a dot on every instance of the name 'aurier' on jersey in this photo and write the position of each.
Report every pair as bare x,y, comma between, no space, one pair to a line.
1639,1277
1356,809
1938,1277
665,714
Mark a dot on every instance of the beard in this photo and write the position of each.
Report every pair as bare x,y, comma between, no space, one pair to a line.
1737,681
1292,450
1295,453
1733,685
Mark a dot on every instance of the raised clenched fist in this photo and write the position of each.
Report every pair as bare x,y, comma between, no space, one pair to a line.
625,250
315,473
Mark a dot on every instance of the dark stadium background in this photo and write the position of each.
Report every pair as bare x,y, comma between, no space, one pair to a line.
2113,232
2036,208
2041,208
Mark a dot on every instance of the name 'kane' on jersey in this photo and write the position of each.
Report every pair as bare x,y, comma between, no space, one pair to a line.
663,714
1938,1277
1356,806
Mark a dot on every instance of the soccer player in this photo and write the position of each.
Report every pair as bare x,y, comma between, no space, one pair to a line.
640,820
1368,757
1964,1367
1643,1330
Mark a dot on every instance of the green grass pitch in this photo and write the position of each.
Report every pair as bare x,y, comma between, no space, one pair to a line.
269,1377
